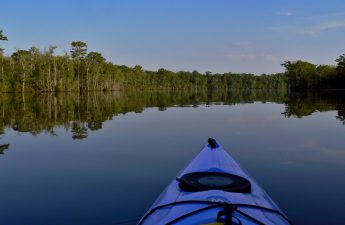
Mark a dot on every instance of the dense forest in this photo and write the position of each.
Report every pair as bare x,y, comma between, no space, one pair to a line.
34,70
305,75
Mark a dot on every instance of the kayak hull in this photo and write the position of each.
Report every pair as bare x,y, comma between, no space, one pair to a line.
212,160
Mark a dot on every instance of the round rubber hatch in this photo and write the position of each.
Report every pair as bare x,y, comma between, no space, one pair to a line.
204,181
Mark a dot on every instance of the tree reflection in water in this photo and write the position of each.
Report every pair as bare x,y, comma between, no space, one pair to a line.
82,112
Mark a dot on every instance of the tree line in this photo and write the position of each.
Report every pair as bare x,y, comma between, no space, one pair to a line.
34,70
305,75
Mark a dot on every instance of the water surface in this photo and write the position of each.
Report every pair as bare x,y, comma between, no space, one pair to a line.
103,158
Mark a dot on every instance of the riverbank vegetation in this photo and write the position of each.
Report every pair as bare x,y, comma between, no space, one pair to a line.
34,70
79,70
305,75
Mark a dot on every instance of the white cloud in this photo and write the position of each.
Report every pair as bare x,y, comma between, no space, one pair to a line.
246,57
288,14
327,16
240,56
270,57
313,25
312,30
242,44
321,27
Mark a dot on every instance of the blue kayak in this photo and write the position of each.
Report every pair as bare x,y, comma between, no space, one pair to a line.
214,190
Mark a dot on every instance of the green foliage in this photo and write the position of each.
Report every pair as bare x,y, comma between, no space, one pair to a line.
2,38
300,73
95,57
36,71
79,50
341,66
305,75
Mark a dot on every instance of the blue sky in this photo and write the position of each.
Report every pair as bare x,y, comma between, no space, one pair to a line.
206,35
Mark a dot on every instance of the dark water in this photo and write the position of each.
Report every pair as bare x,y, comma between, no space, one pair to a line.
103,158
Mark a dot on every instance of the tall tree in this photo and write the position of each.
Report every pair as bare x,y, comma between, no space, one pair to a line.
2,38
341,70
78,52
341,65
94,61
23,58
300,74
51,79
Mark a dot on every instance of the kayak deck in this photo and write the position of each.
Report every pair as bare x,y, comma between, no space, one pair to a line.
211,205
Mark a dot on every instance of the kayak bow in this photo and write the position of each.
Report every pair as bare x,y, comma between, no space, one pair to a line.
214,190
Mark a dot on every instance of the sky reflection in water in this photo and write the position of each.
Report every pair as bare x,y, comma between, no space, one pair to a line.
118,171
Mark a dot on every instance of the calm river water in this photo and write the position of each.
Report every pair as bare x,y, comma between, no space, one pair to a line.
103,158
